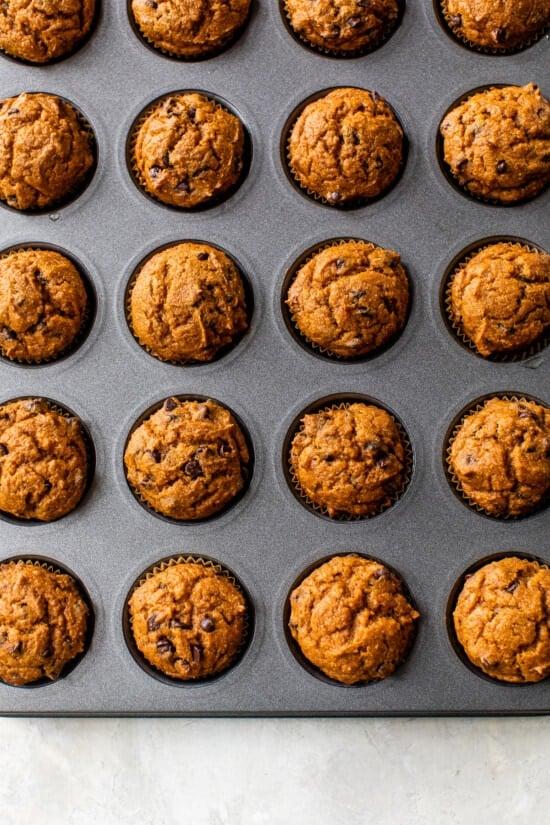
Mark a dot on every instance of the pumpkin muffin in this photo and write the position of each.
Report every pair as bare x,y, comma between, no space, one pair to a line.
38,31
352,620
188,150
187,303
42,304
501,620
349,461
43,623
496,143
190,29
188,620
500,25
351,298
188,460
500,456
346,27
500,299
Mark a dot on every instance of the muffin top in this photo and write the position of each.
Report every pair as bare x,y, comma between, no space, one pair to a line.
188,459
352,620
500,299
501,456
190,28
501,620
43,622
42,304
349,460
497,143
188,150
187,303
347,146
349,26
43,461
40,31
188,620
350,298
497,24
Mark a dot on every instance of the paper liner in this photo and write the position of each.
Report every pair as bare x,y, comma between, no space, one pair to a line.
445,22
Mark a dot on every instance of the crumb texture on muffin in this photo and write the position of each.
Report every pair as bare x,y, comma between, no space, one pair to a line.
500,25
43,623
40,30
352,620
188,620
348,26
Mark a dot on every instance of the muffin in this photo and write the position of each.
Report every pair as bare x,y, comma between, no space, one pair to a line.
43,461
496,143
349,460
43,623
500,298
45,151
38,31
350,299
187,303
346,147
188,620
43,304
188,150
190,30
346,27
188,460
500,456
352,620
499,25
501,620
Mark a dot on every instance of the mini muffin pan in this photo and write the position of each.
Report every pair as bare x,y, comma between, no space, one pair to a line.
268,538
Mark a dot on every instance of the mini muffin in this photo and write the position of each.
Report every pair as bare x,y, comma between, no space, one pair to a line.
350,298
187,303
190,29
347,27
352,620
43,461
500,299
500,456
42,304
349,461
346,147
43,622
501,620
188,460
500,25
39,31
188,150
497,143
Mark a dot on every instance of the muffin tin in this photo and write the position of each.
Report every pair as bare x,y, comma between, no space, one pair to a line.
426,377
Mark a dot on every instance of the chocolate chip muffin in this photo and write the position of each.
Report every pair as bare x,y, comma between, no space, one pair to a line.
496,143
499,25
500,299
187,303
38,31
42,304
352,620
188,150
500,456
346,27
346,147
190,29
188,460
351,298
43,623
501,619
349,461
43,461
188,620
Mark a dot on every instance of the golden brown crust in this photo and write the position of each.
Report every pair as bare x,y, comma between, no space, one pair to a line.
350,298
188,621
43,621
188,150
501,456
497,24
497,143
347,26
502,620
346,146
40,32
352,620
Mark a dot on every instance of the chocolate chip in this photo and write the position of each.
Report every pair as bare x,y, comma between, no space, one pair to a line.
363,4
340,263
378,162
3,449
203,256
375,96
502,167
164,645
223,447
378,450
334,32
355,139
154,170
329,459
47,653
183,186
334,197
196,652
192,112
470,459
456,21
176,622
170,404
353,22
13,111
357,293
389,304
193,469
512,586
16,648
152,623
47,486
156,456
208,625
499,35
9,333
461,165
152,4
